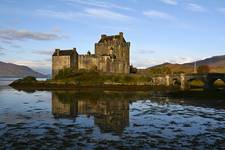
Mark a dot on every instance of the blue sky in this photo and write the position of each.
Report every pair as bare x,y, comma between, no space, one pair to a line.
175,31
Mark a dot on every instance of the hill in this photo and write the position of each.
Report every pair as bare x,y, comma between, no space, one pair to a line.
216,63
13,70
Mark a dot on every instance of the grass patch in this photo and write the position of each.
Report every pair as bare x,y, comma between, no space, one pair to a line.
95,77
28,79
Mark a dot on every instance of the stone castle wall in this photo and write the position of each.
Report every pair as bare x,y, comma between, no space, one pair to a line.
119,52
103,64
60,62
87,62
111,55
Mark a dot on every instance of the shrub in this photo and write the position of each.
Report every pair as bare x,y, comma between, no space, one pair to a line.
116,79
133,69
65,73
160,70
127,78
95,77
29,79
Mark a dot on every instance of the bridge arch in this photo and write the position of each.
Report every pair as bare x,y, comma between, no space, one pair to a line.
176,81
196,82
217,83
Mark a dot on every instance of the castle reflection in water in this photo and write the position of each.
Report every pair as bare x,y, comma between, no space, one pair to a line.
110,110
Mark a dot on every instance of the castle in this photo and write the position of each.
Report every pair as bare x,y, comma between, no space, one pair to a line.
112,55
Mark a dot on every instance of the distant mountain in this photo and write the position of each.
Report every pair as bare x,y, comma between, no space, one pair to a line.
13,70
216,63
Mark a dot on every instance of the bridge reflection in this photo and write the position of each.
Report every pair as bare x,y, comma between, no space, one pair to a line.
110,110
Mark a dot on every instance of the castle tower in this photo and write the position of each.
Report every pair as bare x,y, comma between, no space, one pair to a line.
118,49
64,59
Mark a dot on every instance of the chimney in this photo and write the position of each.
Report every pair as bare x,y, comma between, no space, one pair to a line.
103,35
74,49
121,34
57,51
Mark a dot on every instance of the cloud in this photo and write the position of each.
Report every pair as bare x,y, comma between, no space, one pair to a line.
180,60
98,3
10,1
88,12
56,29
72,16
44,52
17,35
196,7
158,15
170,2
106,14
12,44
43,66
2,48
145,60
34,64
145,51
222,10
116,28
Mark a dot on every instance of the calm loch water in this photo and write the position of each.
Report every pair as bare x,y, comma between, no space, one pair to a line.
108,120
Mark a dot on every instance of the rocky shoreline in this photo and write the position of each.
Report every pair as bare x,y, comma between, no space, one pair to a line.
54,85
31,84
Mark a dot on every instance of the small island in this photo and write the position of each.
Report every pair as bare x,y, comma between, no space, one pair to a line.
109,68
91,79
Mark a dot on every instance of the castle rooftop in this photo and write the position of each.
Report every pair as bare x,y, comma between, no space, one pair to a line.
59,52
105,38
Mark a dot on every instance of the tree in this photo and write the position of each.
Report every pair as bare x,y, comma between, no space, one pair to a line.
203,69
133,69
160,70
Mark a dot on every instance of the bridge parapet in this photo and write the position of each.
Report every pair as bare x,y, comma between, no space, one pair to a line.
167,80
184,80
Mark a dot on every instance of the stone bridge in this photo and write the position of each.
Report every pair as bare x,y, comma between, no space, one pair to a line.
184,80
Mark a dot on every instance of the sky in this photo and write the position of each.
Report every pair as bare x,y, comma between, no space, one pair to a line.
175,31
